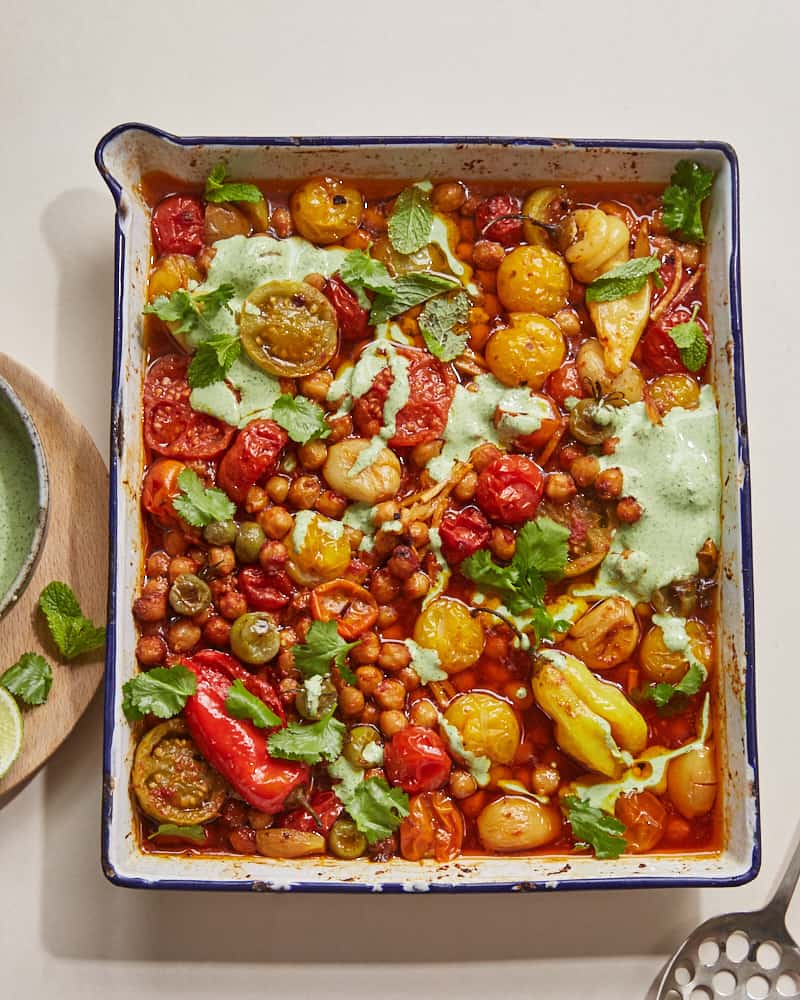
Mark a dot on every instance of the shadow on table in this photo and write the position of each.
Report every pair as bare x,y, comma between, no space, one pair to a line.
86,917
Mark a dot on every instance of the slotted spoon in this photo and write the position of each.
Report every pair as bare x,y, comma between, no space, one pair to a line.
741,955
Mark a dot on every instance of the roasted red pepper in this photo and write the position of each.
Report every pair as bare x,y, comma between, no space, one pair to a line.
237,748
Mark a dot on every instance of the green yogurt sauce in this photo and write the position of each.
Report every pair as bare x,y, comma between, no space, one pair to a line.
19,498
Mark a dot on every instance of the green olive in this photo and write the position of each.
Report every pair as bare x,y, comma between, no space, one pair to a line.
254,638
249,541
345,841
314,707
355,748
585,425
189,595
221,532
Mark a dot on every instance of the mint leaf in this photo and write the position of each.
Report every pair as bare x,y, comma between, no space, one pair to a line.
218,191
322,647
362,273
682,201
313,743
200,505
301,418
196,833
30,679
411,221
408,291
625,279
691,342
188,310
592,826
213,359
71,632
241,704
161,691
441,324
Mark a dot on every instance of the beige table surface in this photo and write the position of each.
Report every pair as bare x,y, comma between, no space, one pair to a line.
724,69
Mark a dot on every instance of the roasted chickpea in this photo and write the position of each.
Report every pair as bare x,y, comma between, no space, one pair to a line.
275,522
384,587
150,650
545,780
418,534
416,586
303,492
392,721
526,351
152,605
277,488
393,656
180,565
424,713
281,222
331,504
232,604
255,500
341,427
316,385
448,196
382,513
569,321
608,484
183,635
464,490
403,563
502,543
217,631
462,784
368,678
312,455
559,487
487,255
157,564
483,455
351,701
387,616
629,510
584,470
325,210
421,454
367,650
390,693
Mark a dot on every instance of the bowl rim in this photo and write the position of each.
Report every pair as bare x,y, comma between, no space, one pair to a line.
745,519
23,577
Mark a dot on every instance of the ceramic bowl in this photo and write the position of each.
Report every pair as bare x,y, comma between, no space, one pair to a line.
24,496
130,151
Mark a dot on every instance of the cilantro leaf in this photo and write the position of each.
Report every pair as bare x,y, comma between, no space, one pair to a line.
682,201
691,682
625,279
161,691
29,679
375,807
196,833
241,704
213,359
409,290
189,310
361,273
323,645
411,220
71,632
540,555
438,324
218,191
301,418
691,342
200,505
592,826
321,740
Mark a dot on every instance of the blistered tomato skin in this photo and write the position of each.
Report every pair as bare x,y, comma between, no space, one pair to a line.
510,489
179,225
353,319
266,589
563,383
160,489
508,232
463,532
253,455
417,760
659,349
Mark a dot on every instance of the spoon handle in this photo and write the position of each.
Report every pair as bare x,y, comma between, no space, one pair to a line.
783,894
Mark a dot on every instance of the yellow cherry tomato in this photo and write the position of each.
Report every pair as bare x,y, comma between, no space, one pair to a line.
666,666
526,351
669,391
533,279
173,271
325,210
447,627
488,726
318,549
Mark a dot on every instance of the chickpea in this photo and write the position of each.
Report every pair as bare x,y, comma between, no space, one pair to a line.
341,427
584,470
483,455
629,510
152,605
487,255
608,484
175,543
312,455
221,560
403,563
513,823
692,782
559,487
285,664
393,656
315,386
281,223
157,564
367,650
331,504
368,678
255,500
275,522
418,534
416,586
303,492
423,713
183,635
409,678
609,446
387,616
503,543
392,721
217,631
448,196
382,513
150,650
545,780
351,701
421,454
271,553
232,604
390,693
384,587
288,638
370,715
180,565
568,454
468,208
465,489
569,321
462,784
277,488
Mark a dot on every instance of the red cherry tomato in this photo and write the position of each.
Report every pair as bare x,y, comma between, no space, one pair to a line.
160,489
327,807
417,760
171,426
266,589
506,231
432,386
563,383
179,225
510,488
253,455
659,351
463,532
353,320
538,439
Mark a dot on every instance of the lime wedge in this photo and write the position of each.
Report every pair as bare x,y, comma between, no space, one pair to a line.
10,731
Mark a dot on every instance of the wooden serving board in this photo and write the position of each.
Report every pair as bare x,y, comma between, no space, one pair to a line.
76,551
